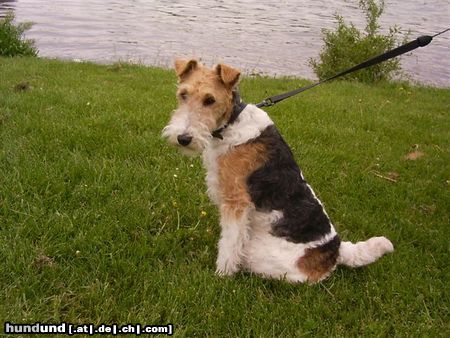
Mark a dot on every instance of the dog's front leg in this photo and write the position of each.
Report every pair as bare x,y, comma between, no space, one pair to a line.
233,238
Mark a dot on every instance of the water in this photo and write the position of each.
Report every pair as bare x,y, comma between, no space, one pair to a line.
269,37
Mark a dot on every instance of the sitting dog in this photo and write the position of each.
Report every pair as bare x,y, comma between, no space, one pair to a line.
272,223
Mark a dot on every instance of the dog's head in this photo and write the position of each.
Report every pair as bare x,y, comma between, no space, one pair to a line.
205,102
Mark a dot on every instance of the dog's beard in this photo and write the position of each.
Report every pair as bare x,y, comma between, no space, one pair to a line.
179,124
199,142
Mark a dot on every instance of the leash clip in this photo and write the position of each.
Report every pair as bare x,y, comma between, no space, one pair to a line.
266,103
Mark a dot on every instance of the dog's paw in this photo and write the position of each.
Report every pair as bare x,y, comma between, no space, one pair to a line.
226,267
224,273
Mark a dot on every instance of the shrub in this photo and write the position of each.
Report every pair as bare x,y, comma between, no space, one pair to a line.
12,42
347,46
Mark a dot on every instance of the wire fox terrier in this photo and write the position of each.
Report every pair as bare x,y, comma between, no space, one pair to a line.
272,223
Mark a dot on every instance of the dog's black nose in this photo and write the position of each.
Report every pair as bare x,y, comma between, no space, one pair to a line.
184,139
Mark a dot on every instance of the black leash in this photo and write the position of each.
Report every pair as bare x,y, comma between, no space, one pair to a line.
239,105
407,47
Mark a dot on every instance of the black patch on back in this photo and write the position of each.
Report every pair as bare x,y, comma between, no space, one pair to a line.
278,185
331,248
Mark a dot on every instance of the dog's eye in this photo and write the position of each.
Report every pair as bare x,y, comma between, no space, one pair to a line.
209,100
183,95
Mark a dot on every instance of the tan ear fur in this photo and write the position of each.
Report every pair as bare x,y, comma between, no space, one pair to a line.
184,67
228,75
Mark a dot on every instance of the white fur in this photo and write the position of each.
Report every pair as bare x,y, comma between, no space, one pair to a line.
249,125
273,256
363,253
233,239
184,121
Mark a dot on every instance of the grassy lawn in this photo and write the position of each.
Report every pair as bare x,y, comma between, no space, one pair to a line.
102,222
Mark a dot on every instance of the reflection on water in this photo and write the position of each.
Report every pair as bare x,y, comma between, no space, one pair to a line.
6,5
275,38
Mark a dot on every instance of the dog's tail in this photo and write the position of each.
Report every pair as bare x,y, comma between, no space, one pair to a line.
363,253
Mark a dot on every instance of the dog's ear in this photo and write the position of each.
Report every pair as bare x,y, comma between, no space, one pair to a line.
184,67
228,75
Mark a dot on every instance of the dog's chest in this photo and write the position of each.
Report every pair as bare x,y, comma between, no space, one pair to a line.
210,162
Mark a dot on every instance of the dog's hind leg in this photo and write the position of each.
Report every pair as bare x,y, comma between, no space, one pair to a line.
363,253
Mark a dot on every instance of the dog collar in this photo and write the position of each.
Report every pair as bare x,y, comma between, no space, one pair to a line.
238,107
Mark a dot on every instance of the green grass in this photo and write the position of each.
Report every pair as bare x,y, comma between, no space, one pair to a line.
101,221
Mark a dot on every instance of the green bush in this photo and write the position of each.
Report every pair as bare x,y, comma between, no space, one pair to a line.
347,46
12,42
